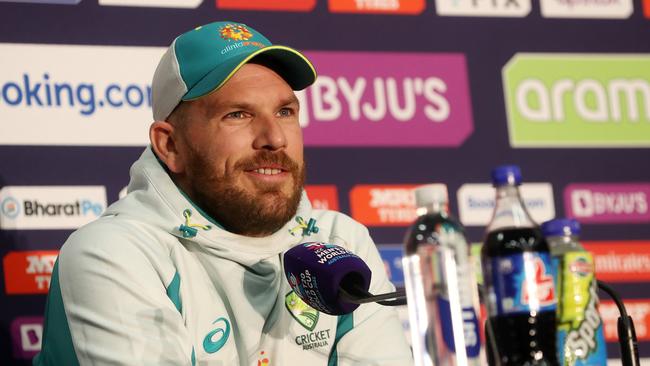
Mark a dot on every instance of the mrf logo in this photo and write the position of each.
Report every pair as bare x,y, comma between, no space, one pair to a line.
26,336
28,272
537,289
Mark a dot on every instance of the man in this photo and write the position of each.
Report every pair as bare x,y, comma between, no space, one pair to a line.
187,268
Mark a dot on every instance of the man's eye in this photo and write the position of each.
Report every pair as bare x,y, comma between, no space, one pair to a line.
236,115
286,112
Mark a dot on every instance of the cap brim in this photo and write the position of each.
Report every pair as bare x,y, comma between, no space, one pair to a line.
290,64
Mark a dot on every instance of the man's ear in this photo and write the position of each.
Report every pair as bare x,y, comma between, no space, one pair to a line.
165,144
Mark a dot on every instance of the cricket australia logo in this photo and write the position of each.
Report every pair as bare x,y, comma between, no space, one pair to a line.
299,310
308,318
235,32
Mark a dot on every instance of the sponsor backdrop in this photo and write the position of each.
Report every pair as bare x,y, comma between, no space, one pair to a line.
410,92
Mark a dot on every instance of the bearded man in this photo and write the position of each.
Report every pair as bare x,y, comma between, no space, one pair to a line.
186,269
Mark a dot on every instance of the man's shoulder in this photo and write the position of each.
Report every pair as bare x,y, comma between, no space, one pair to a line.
336,219
114,238
340,229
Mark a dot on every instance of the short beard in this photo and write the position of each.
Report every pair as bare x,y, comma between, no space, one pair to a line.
237,210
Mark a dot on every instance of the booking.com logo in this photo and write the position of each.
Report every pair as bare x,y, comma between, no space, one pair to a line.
10,207
41,92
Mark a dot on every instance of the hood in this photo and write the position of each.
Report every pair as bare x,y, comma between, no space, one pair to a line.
155,200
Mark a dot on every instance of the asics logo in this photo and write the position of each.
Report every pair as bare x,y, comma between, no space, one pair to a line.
218,337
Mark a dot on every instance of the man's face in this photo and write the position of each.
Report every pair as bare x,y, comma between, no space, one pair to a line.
243,152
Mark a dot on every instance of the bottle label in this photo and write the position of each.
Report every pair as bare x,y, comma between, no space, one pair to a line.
522,283
580,340
455,241
470,329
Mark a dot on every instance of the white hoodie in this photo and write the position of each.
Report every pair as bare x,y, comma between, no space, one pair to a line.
155,282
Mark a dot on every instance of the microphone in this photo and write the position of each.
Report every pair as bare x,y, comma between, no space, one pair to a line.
331,279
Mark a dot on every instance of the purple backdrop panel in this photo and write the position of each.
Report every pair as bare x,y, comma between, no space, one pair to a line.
387,99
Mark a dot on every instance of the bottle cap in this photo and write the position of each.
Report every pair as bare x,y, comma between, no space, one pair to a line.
506,175
430,193
561,227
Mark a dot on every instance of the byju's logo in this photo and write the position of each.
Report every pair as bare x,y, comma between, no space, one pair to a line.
605,102
608,203
26,336
586,8
50,207
483,8
424,104
10,207
476,202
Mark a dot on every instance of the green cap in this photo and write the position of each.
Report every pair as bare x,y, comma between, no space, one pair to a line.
200,61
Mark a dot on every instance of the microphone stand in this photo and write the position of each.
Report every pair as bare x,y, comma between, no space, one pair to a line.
626,334
355,294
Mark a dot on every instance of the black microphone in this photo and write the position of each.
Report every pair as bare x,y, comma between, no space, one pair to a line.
331,279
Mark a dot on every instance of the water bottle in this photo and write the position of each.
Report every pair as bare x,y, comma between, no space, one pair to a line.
519,281
580,339
440,285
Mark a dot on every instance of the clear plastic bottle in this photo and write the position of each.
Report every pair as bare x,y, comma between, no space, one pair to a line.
440,285
580,339
519,281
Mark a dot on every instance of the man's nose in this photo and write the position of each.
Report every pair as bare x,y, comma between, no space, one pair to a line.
269,134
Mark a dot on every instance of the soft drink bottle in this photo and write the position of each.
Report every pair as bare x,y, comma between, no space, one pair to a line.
580,339
440,285
519,280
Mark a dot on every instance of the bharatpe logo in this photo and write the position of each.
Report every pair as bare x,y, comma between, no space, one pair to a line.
586,8
424,104
51,89
608,203
10,207
50,207
605,102
484,8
